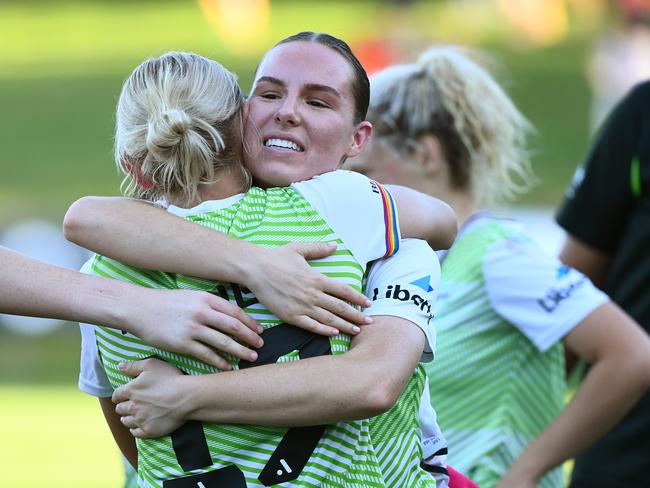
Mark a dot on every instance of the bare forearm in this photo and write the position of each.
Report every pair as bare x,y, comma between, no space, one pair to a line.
364,382
31,287
588,416
141,234
288,394
619,352
117,229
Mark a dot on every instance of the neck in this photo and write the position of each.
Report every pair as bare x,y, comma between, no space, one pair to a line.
462,203
230,181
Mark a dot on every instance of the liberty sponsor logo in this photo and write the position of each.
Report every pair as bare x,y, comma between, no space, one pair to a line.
562,271
424,283
557,294
396,292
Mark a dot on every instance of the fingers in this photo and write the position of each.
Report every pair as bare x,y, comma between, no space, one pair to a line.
226,344
307,323
120,395
346,313
224,324
313,250
138,432
129,422
124,407
131,368
231,319
346,293
209,356
326,318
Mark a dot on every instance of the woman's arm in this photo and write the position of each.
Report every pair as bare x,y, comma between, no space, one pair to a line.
586,259
619,352
364,382
31,287
185,321
146,236
123,438
424,217
590,261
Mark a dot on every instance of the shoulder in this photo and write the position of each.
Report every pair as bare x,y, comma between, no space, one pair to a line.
340,180
641,92
476,238
414,257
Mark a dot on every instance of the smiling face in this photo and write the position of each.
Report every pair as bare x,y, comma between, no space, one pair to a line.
300,115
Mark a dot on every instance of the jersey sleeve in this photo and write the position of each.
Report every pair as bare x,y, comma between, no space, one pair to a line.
92,376
360,211
535,292
600,198
405,285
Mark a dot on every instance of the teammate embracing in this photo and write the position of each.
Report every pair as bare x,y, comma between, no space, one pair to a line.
306,124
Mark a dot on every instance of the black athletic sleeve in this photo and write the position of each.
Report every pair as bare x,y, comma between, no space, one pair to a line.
600,199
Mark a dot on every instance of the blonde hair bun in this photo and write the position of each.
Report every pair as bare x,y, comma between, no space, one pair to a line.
178,125
166,131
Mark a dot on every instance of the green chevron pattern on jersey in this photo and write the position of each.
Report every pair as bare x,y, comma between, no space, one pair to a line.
398,441
344,456
491,387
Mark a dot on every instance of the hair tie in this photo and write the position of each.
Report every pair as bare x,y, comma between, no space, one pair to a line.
129,167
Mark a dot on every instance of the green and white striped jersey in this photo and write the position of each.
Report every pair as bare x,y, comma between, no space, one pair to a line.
203,454
405,286
498,379
397,438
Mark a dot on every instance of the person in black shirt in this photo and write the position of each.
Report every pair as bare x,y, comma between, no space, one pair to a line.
607,217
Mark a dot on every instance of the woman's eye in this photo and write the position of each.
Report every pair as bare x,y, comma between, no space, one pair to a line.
270,96
317,103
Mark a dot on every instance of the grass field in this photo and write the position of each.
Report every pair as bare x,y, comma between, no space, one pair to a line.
52,434
55,436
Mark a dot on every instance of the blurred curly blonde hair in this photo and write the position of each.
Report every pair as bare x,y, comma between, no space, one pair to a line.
449,95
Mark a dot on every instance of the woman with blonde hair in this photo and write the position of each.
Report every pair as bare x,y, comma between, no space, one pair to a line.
178,147
445,127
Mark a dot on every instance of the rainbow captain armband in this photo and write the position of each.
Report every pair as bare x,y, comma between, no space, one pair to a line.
390,219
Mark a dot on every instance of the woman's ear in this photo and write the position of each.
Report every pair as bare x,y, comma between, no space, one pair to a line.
430,155
360,138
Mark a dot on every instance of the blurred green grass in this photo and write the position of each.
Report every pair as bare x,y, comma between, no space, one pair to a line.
50,359
55,436
46,422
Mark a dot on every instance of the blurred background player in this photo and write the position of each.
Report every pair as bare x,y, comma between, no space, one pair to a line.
444,126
